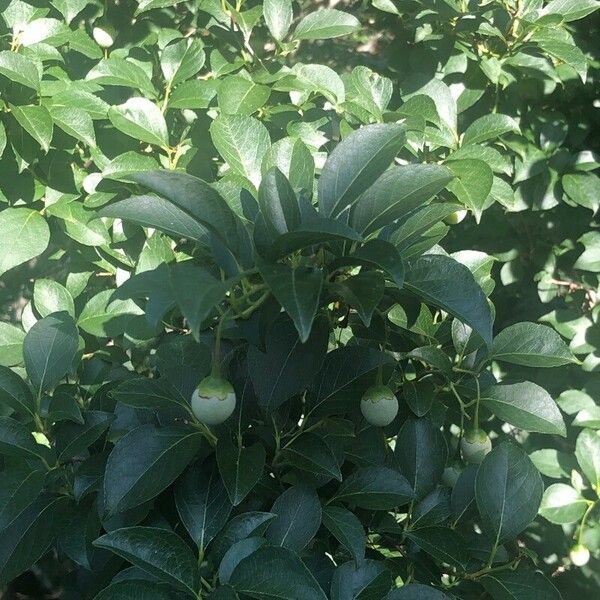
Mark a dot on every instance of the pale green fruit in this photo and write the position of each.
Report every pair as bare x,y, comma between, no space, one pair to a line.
213,401
104,34
579,555
455,217
474,445
379,405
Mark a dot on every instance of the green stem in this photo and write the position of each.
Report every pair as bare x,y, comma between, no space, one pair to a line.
586,514
476,414
216,357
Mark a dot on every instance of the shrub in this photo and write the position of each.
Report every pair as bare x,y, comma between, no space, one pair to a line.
250,347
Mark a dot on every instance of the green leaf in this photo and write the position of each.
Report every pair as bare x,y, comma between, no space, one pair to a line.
50,296
193,94
144,462
293,158
15,393
104,317
36,121
182,59
142,392
288,366
312,232
525,405
370,579
236,554
278,16
566,52
278,203
298,518
141,119
309,452
396,193
587,451
562,504
571,10
508,491
197,293
76,122
531,345
239,95
420,455
19,69
444,282
73,438
11,344
275,573
240,467
589,260
133,590
297,290
375,488
521,584
380,254
356,163
416,591
553,463
473,183
29,535
326,23
49,349
362,292
583,189
16,440
20,487
444,544
121,72
242,142
342,368
157,551
26,235
489,127
202,502
347,529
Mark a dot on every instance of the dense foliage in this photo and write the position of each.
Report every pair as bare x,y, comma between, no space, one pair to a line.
299,301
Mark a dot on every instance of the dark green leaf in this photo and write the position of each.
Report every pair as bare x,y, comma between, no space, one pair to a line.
521,584
144,462
297,290
444,544
396,193
356,163
531,345
202,502
525,405
49,350
273,573
160,552
446,283
15,393
347,529
370,579
508,491
421,455
241,468
375,488
298,517
311,453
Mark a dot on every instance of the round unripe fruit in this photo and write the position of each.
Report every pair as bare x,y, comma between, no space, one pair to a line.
456,217
579,555
379,405
104,34
474,445
213,400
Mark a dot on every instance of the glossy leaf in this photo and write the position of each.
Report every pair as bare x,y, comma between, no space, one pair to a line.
525,405
508,491
158,551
